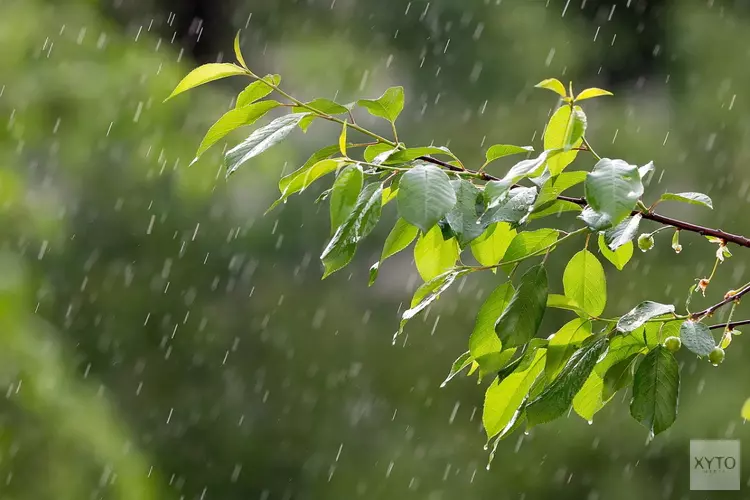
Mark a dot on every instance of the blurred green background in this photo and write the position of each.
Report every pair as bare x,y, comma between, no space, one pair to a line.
162,339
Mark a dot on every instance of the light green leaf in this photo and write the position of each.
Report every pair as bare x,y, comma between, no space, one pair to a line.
238,52
592,92
584,282
338,258
641,313
746,410
618,376
300,179
257,90
557,301
410,154
556,399
521,319
387,106
375,150
493,362
529,243
428,293
554,85
646,169
564,131
612,190
399,238
483,339
655,391
344,194
623,233
425,195
342,141
490,247
557,207
530,167
501,150
360,222
692,198
590,399
619,257
204,74
260,140
463,218
461,362
434,255
504,398
514,206
325,106
555,186
564,343
697,338
232,120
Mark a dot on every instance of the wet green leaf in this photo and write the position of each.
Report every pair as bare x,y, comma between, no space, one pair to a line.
612,190
463,217
692,198
344,194
260,140
520,321
387,106
619,257
425,195
490,247
584,282
641,313
655,391
204,74
697,338
433,254
257,90
564,343
483,339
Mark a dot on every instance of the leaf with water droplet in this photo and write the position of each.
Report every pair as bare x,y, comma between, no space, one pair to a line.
655,391
641,313
697,338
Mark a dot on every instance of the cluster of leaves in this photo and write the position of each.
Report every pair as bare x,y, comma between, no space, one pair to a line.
450,209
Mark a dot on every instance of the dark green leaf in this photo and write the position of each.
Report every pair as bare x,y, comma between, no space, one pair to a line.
612,190
642,313
338,258
558,396
407,155
463,218
387,106
557,207
618,376
697,338
425,195
483,339
344,194
655,391
521,319
564,343
693,198
260,140
622,233
504,398
232,120
584,282
619,257
257,90
515,206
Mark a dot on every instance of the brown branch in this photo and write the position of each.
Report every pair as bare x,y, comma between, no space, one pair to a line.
727,300
731,325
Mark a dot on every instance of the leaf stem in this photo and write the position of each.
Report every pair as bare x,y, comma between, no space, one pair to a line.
586,142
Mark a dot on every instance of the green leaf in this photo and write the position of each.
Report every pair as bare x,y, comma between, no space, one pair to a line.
641,313
373,151
257,90
697,338
618,376
410,154
557,207
338,258
592,92
612,190
504,398
558,396
490,247
483,339
387,106
692,198
325,106
584,282
528,167
564,343
619,257
555,186
514,206
746,410
529,243
344,194
300,179
590,399
501,150
461,362
493,362
238,52
428,293
425,195
463,217
646,169
564,131
232,120
204,74
521,319
557,301
260,140
623,233
655,391
360,222
554,85
434,255
399,238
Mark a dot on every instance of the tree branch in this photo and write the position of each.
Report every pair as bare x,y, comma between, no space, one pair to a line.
730,325
727,300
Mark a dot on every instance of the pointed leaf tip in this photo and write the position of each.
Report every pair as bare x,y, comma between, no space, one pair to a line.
204,74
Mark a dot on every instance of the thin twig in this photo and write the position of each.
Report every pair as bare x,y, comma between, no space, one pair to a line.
730,325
